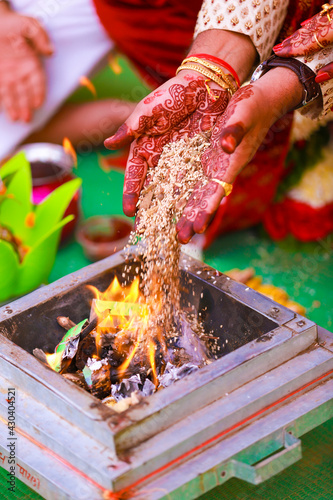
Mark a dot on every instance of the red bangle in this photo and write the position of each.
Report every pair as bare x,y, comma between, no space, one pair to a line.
220,62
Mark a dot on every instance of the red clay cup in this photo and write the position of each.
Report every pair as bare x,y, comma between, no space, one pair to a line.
103,235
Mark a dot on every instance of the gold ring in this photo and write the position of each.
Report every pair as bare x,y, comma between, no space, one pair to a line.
319,44
326,11
226,186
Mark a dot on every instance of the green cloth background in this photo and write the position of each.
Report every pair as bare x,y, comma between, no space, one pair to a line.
305,271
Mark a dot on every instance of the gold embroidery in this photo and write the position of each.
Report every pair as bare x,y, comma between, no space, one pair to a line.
248,25
259,32
234,21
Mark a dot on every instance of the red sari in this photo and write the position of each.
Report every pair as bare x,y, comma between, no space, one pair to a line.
155,35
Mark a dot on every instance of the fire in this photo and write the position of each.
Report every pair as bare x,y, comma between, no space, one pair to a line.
3,188
30,219
68,147
54,360
114,64
125,311
85,82
152,349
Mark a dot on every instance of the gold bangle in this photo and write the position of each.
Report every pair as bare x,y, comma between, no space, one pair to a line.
318,43
214,68
226,186
209,74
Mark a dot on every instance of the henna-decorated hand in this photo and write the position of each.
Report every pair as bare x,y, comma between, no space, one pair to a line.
325,73
314,32
235,138
22,78
180,107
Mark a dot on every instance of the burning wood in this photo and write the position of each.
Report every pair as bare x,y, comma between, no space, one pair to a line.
138,340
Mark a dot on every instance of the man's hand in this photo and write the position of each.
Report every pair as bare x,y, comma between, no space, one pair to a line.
22,77
180,107
235,138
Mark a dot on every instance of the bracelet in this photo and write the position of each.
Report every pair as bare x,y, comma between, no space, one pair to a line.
206,72
311,89
214,68
221,63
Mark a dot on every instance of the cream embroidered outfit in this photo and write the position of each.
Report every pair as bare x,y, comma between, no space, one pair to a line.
262,21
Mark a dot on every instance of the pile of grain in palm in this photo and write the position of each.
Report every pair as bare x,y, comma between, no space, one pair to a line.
160,206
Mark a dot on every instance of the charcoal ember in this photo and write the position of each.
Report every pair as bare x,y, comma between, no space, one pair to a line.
86,350
107,339
115,358
77,378
97,375
173,373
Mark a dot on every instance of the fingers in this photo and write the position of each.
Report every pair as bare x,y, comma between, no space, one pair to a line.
325,73
120,139
233,143
135,174
37,36
22,88
315,34
199,210
231,136
8,100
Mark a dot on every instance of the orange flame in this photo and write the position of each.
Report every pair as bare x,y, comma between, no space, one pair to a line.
68,147
3,188
30,219
85,82
151,350
54,360
124,312
114,64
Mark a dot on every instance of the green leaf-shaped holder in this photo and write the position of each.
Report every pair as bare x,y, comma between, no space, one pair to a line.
40,238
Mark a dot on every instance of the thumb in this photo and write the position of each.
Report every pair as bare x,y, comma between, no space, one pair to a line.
231,136
120,139
37,36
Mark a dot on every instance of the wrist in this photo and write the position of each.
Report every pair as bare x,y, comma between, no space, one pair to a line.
235,49
283,87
